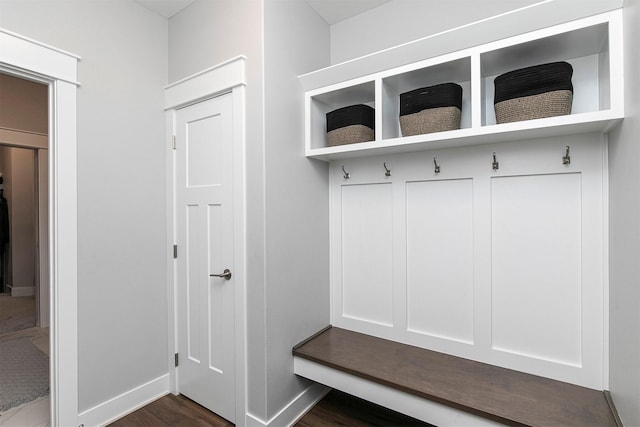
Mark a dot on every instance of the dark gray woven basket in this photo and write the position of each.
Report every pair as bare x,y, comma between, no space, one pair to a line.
431,109
534,92
350,125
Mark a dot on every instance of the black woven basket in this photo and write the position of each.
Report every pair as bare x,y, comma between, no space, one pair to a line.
349,125
431,109
534,92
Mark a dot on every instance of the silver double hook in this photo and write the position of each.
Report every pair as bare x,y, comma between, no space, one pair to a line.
495,165
566,159
347,175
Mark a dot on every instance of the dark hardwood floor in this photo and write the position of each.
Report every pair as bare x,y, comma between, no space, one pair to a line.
172,411
335,410
340,409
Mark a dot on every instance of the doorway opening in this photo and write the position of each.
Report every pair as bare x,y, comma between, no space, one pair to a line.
24,248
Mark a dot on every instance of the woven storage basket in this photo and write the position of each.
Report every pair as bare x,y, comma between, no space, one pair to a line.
431,109
348,125
534,92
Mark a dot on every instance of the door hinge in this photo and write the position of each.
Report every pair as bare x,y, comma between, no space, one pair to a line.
173,142
175,251
176,359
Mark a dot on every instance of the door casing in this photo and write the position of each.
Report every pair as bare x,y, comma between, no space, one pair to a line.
226,77
30,59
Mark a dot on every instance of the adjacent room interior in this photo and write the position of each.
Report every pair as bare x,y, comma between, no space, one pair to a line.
24,300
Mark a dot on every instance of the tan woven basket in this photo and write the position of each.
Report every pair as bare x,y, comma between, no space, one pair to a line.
549,104
350,135
430,120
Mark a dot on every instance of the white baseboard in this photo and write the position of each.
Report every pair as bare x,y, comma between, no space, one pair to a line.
22,291
109,411
299,406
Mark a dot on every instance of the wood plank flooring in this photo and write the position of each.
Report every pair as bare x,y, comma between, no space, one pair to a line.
504,395
340,409
335,410
172,411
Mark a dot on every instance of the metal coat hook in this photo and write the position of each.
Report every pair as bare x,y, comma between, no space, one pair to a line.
347,175
387,171
566,159
495,165
436,167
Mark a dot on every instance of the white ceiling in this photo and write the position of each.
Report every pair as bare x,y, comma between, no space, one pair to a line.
334,11
331,11
166,8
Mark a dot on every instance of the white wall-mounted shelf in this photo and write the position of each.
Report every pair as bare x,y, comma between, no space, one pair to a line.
593,46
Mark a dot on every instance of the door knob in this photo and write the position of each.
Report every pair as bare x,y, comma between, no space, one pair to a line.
226,274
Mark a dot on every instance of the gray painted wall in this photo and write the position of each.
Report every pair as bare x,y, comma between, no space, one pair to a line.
404,21
122,303
624,229
20,191
296,194
5,165
205,34
18,173
6,170
287,289
401,21
23,104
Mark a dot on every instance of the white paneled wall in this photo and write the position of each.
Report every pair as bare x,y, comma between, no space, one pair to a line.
367,250
536,266
440,258
502,266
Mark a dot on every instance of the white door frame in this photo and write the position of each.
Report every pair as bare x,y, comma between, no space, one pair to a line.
28,58
43,289
227,77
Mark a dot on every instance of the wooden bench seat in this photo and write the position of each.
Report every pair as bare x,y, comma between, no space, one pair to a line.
370,367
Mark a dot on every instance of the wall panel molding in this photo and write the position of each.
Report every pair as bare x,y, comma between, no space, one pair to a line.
500,266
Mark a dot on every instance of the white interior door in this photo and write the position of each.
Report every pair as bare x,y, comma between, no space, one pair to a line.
204,232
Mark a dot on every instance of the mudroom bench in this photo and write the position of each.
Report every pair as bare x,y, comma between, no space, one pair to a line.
442,389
